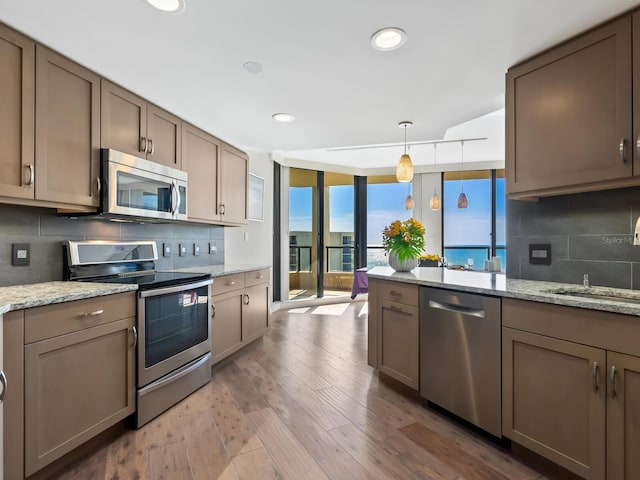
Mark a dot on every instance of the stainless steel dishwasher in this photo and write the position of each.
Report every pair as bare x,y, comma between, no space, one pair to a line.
460,352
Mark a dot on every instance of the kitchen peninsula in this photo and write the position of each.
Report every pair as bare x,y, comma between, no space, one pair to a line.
552,367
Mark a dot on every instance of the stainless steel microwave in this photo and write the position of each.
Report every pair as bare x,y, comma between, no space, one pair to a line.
135,187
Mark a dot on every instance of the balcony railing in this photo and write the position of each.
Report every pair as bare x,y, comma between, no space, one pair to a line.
299,259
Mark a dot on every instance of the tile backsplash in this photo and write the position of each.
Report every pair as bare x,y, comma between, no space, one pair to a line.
588,232
45,230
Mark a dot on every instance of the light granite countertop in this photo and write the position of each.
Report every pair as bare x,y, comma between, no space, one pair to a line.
47,293
222,270
38,294
498,284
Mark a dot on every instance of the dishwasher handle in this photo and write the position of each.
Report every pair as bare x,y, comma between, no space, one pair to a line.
472,312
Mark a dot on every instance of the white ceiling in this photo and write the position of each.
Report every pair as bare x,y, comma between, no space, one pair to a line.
317,58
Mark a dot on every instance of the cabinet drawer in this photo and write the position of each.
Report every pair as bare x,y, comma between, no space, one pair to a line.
227,283
399,293
257,277
50,321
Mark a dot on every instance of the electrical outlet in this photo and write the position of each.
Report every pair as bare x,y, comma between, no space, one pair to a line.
246,236
166,249
20,254
213,249
182,250
196,249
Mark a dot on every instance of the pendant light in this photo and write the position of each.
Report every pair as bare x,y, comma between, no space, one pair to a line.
462,198
435,200
409,203
404,170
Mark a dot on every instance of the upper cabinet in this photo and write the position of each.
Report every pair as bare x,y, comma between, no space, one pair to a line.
569,116
132,125
234,178
201,161
17,97
67,142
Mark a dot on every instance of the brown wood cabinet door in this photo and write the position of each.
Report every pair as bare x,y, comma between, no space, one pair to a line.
17,94
76,386
226,324
13,405
372,324
553,400
200,159
255,316
123,120
635,141
234,174
569,112
623,417
398,342
164,133
67,130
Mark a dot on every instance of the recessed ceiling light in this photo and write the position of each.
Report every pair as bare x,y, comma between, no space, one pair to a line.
388,38
283,117
169,6
252,67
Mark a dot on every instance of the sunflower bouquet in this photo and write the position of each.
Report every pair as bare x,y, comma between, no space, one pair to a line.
404,239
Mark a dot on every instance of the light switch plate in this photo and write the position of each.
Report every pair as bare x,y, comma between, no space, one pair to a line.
196,249
20,254
213,249
540,253
182,249
166,250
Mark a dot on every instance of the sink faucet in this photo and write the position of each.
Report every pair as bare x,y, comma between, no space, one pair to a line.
585,281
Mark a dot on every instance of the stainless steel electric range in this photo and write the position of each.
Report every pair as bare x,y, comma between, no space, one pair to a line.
173,311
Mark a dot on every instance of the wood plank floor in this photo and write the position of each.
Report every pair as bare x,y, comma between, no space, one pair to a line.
301,404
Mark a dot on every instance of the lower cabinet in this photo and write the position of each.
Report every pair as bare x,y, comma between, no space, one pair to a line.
571,384
398,352
241,311
623,416
554,400
396,326
72,371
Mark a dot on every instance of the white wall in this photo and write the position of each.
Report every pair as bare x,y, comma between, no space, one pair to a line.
257,249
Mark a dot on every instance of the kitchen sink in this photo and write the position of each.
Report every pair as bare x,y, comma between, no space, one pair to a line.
609,296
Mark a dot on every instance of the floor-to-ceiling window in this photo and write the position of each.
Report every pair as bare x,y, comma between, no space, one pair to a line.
339,233
385,203
303,231
474,234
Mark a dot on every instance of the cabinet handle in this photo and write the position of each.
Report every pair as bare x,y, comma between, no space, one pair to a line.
230,283
612,381
394,293
32,175
134,330
213,310
222,209
3,380
143,145
396,309
98,185
621,153
246,296
91,314
152,147
638,146
594,375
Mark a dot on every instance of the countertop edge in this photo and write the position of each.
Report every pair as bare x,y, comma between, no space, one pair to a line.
530,290
50,293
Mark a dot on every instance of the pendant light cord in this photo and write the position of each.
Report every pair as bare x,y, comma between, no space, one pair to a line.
462,159
435,187
405,139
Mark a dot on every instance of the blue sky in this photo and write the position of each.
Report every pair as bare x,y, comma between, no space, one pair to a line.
471,226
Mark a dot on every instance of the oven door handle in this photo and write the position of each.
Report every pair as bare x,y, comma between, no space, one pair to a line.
176,375
178,288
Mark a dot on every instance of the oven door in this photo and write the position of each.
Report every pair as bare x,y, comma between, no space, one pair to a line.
174,328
